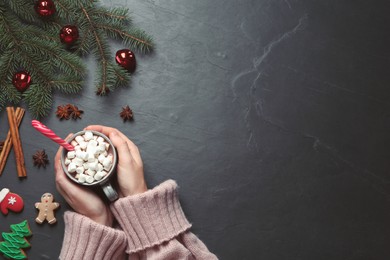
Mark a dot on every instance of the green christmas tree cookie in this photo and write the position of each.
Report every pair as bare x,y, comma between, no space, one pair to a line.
13,242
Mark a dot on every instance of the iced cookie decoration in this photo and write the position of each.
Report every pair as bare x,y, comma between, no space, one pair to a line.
90,161
14,241
46,209
10,202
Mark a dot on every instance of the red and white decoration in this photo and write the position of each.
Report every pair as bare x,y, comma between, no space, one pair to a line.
10,202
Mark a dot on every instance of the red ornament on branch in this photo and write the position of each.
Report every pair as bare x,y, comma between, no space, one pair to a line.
45,8
69,34
126,59
21,80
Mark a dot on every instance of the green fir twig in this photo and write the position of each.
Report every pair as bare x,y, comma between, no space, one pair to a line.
31,43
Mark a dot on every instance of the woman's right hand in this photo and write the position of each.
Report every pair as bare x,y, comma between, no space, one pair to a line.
130,167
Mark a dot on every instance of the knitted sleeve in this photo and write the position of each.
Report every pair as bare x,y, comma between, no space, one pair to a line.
156,227
88,240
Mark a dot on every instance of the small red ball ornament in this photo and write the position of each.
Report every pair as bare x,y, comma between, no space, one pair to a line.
69,34
126,59
21,80
45,7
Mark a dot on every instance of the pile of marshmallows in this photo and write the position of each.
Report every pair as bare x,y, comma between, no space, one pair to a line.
90,161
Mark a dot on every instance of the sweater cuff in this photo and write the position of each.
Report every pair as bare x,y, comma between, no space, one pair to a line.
86,239
152,217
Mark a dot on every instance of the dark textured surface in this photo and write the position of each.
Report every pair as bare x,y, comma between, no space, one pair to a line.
273,117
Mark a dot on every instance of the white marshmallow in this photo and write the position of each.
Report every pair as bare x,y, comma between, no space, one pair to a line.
82,178
90,172
98,176
106,162
81,155
71,154
100,139
73,143
78,161
101,148
100,167
93,165
91,157
83,145
80,170
78,153
107,146
90,179
107,168
72,167
67,161
88,135
79,139
92,143
101,158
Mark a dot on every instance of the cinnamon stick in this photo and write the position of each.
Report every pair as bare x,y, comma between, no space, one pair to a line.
8,143
18,150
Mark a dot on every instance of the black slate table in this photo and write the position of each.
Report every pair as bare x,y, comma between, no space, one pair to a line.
272,115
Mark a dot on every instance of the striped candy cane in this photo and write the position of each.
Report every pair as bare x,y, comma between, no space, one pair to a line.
50,134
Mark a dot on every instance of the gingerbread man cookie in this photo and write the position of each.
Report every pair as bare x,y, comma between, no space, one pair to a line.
46,209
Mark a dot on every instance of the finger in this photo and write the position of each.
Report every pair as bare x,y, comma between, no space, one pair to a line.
62,182
122,148
134,151
57,160
101,128
107,130
69,135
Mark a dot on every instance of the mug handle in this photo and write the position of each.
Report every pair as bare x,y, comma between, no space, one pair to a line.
109,191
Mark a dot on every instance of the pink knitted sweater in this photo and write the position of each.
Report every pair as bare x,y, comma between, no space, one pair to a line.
153,226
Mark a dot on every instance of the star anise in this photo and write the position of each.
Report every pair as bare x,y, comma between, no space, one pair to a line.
69,111
1,145
126,114
63,112
40,159
74,111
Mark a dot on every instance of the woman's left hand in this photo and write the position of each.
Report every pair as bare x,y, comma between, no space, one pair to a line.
81,199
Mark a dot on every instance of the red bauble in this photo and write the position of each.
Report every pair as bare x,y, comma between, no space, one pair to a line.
45,7
21,80
126,59
69,34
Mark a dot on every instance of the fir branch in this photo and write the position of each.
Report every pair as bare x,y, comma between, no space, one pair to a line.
66,85
39,99
101,49
31,43
134,38
10,93
123,77
114,16
23,10
2,98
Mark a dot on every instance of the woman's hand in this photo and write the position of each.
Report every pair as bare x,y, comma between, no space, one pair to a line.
81,199
130,168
